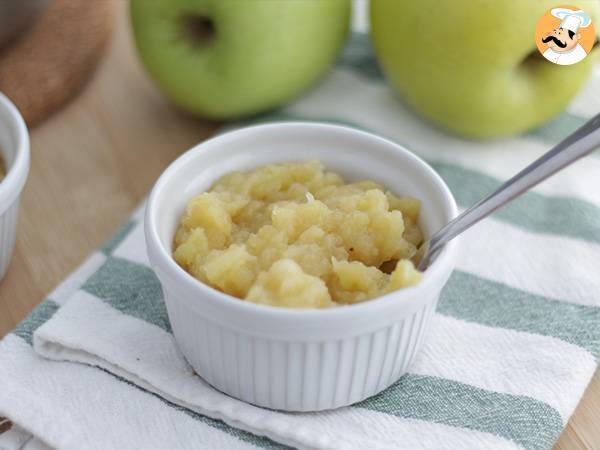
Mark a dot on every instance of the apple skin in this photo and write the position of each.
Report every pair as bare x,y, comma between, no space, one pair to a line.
472,66
260,55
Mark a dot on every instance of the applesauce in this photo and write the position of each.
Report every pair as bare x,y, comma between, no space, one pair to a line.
297,235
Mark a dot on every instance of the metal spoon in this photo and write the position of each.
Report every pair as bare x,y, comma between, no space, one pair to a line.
582,142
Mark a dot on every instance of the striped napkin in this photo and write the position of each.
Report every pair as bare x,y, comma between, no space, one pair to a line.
512,347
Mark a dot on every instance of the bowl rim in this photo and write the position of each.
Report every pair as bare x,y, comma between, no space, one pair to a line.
434,277
16,175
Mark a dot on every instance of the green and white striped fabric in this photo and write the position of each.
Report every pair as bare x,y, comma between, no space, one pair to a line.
513,345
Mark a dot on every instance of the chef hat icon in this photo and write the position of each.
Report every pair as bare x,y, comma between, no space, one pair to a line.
571,20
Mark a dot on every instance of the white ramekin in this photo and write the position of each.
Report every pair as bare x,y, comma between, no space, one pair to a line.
297,360
14,149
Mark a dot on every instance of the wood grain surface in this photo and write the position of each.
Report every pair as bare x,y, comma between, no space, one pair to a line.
96,160
50,63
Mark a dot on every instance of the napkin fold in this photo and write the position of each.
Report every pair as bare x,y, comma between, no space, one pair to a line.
512,346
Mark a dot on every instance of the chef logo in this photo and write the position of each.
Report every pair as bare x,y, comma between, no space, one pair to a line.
565,35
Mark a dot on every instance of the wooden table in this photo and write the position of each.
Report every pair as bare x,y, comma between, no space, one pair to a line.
95,161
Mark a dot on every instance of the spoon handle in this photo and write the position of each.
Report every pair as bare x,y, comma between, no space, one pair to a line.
582,142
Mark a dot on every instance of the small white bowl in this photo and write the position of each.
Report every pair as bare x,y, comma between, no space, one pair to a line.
290,359
14,149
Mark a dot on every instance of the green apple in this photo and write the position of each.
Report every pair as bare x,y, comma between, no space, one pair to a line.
224,59
472,66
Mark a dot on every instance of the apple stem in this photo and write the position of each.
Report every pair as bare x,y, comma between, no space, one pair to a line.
200,31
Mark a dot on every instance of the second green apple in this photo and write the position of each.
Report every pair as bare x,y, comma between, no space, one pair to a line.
472,66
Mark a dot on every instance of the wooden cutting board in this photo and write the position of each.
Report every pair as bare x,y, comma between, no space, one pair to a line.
49,64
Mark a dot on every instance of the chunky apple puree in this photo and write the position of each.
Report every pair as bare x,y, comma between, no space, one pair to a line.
296,235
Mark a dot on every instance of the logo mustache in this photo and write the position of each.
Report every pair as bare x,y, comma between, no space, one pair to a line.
555,40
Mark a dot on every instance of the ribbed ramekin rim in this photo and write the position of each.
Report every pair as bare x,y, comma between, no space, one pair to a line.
16,176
